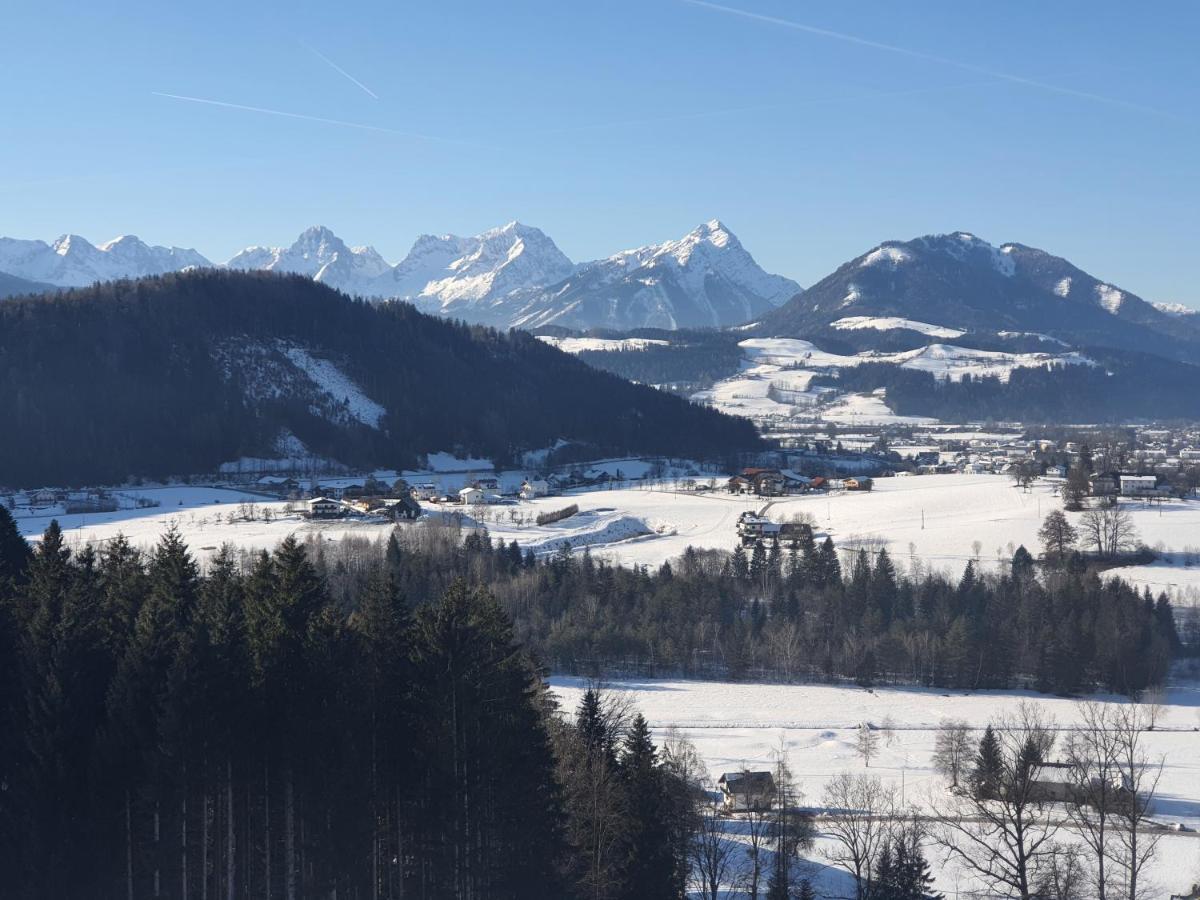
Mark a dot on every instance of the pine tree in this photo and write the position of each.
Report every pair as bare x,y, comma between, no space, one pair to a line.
831,567
740,565
882,590
758,564
14,554
494,829
649,870
988,771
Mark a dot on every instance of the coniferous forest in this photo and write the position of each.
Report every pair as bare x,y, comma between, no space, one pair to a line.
363,719
179,373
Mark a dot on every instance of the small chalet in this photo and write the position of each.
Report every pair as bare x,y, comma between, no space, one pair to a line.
324,508
858,484
746,790
406,508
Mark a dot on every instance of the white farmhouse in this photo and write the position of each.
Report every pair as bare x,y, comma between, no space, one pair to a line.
534,488
471,495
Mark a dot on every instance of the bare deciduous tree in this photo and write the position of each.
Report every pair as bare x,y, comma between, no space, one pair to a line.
1007,840
715,857
1109,529
1091,752
952,751
861,812
1139,774
866,743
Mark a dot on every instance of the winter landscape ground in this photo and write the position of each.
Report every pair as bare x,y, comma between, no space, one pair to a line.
938,521
737,726
935,521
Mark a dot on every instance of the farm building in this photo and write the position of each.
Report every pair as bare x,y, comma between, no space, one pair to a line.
752,527
746,790
324,508
470,496
534,488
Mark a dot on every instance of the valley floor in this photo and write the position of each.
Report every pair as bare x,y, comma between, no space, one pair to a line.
736,726
940,521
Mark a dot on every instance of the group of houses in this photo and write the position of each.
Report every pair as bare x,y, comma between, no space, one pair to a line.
769,482
1131,485
400,508
752,528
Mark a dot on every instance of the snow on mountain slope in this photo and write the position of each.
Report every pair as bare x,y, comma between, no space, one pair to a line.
72,261
776,374
706,278
891,323
466,277
959,280
278,370
334,383
321,255
579,345
511,276
1176,309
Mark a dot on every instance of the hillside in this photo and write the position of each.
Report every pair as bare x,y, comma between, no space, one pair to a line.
12,286
179,373
960,283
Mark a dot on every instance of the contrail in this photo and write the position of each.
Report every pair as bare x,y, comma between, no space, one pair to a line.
291,115
929,57
339,70
764,107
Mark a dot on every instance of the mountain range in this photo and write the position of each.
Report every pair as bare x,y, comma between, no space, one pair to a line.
511,276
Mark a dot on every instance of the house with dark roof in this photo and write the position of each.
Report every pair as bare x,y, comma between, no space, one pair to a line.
746,790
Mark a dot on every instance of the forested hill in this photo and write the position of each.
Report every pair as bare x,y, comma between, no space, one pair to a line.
178,373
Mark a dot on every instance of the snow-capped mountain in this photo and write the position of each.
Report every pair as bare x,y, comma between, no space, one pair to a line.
466,277
321,255
706,278
1177,309
958,281
72,261
511,276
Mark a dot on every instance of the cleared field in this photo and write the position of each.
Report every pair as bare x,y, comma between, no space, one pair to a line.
940,520
743,725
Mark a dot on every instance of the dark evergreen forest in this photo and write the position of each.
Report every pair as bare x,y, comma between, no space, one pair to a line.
178,373
366,719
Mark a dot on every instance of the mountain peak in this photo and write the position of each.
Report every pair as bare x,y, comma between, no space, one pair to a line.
317,236
68,243
121,240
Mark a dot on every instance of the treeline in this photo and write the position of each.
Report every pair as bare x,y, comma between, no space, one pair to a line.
252,733
1116,390
692,360
179,373
815,613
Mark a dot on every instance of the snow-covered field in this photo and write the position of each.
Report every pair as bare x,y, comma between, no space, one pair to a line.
742,725
773,381
939,520
892,323
578,345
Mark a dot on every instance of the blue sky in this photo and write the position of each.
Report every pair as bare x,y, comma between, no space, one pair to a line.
813,130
